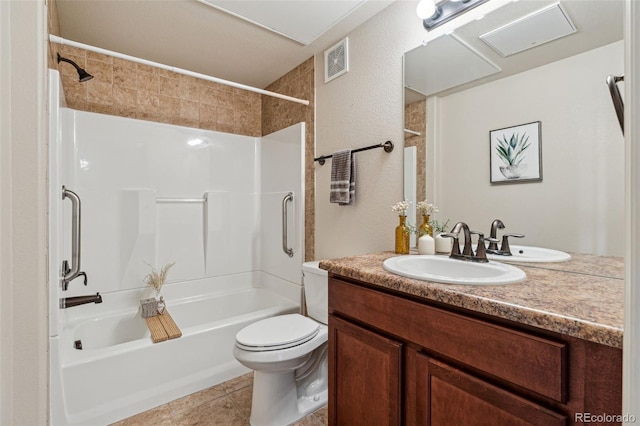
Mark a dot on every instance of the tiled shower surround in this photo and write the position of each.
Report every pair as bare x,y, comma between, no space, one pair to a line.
133,90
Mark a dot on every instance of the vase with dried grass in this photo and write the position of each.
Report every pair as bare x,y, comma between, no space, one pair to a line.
156,279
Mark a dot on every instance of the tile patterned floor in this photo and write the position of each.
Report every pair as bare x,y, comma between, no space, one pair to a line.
227,404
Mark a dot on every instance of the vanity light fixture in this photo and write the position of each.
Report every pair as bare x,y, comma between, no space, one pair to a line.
446,11
425,9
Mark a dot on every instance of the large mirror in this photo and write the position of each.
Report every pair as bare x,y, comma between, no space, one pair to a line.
495,74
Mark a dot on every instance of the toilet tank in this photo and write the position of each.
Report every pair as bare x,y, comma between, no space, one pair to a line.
316,288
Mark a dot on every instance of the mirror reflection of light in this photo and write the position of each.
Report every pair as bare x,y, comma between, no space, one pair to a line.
84,165
197,142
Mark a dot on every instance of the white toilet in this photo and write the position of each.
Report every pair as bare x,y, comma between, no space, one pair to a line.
288,354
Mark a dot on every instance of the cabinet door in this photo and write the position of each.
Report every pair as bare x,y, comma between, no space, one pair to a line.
449,396
364,376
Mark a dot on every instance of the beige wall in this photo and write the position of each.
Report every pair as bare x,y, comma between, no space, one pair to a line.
360,108
579,205
23,248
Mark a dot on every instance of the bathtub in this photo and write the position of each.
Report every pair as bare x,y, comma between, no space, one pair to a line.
120,372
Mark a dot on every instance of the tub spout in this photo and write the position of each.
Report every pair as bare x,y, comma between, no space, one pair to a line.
68,302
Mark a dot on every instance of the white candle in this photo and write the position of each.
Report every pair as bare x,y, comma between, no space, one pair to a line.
426,245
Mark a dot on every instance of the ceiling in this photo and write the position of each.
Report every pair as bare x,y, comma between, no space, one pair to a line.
193,35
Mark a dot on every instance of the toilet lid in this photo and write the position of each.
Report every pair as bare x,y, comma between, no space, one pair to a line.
278,332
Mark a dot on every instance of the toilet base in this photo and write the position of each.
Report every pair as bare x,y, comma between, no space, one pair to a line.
275,399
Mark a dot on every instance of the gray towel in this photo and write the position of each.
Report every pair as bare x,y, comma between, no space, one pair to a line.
343,178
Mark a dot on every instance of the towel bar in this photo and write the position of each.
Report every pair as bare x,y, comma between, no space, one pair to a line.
388,147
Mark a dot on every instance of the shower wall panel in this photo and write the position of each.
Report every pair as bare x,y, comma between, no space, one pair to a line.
154,193
282,172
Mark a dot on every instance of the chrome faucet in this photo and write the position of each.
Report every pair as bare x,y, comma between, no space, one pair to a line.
68,302
504,250
467,252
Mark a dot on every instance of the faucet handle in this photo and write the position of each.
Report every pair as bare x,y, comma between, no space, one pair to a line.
504,247
455,250
481,250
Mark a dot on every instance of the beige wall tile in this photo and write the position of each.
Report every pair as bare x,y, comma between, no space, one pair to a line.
99,92
225,117
124,63
94,56
124,76
208,93
208,116
148,82
101,71
169,109
130,89
189,113
189,88
169,86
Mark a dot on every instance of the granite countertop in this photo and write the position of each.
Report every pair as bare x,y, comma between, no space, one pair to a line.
582,297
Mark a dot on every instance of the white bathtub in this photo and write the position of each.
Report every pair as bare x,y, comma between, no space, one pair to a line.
121,372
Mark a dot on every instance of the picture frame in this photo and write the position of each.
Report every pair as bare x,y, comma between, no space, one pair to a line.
515,154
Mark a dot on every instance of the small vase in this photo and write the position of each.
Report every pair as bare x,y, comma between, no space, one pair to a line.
402,236
425,228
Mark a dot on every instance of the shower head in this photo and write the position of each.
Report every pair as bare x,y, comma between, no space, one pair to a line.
82,74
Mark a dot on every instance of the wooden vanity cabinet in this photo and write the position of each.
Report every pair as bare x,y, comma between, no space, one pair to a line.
395,360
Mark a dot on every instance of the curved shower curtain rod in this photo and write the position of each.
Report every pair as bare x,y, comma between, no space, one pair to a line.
64,42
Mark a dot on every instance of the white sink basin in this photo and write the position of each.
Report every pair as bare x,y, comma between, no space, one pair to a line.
531,254
443,269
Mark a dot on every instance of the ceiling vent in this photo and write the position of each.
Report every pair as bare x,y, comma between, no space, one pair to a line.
530,31
336,60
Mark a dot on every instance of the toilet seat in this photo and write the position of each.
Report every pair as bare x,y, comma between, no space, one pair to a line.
275,333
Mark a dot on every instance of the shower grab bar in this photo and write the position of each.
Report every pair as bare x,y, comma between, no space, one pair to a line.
177,200
616,98
71,273
285,200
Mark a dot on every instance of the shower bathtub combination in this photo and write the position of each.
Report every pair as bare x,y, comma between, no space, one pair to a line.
219,205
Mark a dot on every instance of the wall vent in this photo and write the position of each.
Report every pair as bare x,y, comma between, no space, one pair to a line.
336,60
545,25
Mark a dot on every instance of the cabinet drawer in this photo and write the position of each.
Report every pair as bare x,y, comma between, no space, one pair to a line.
529,361
453,397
